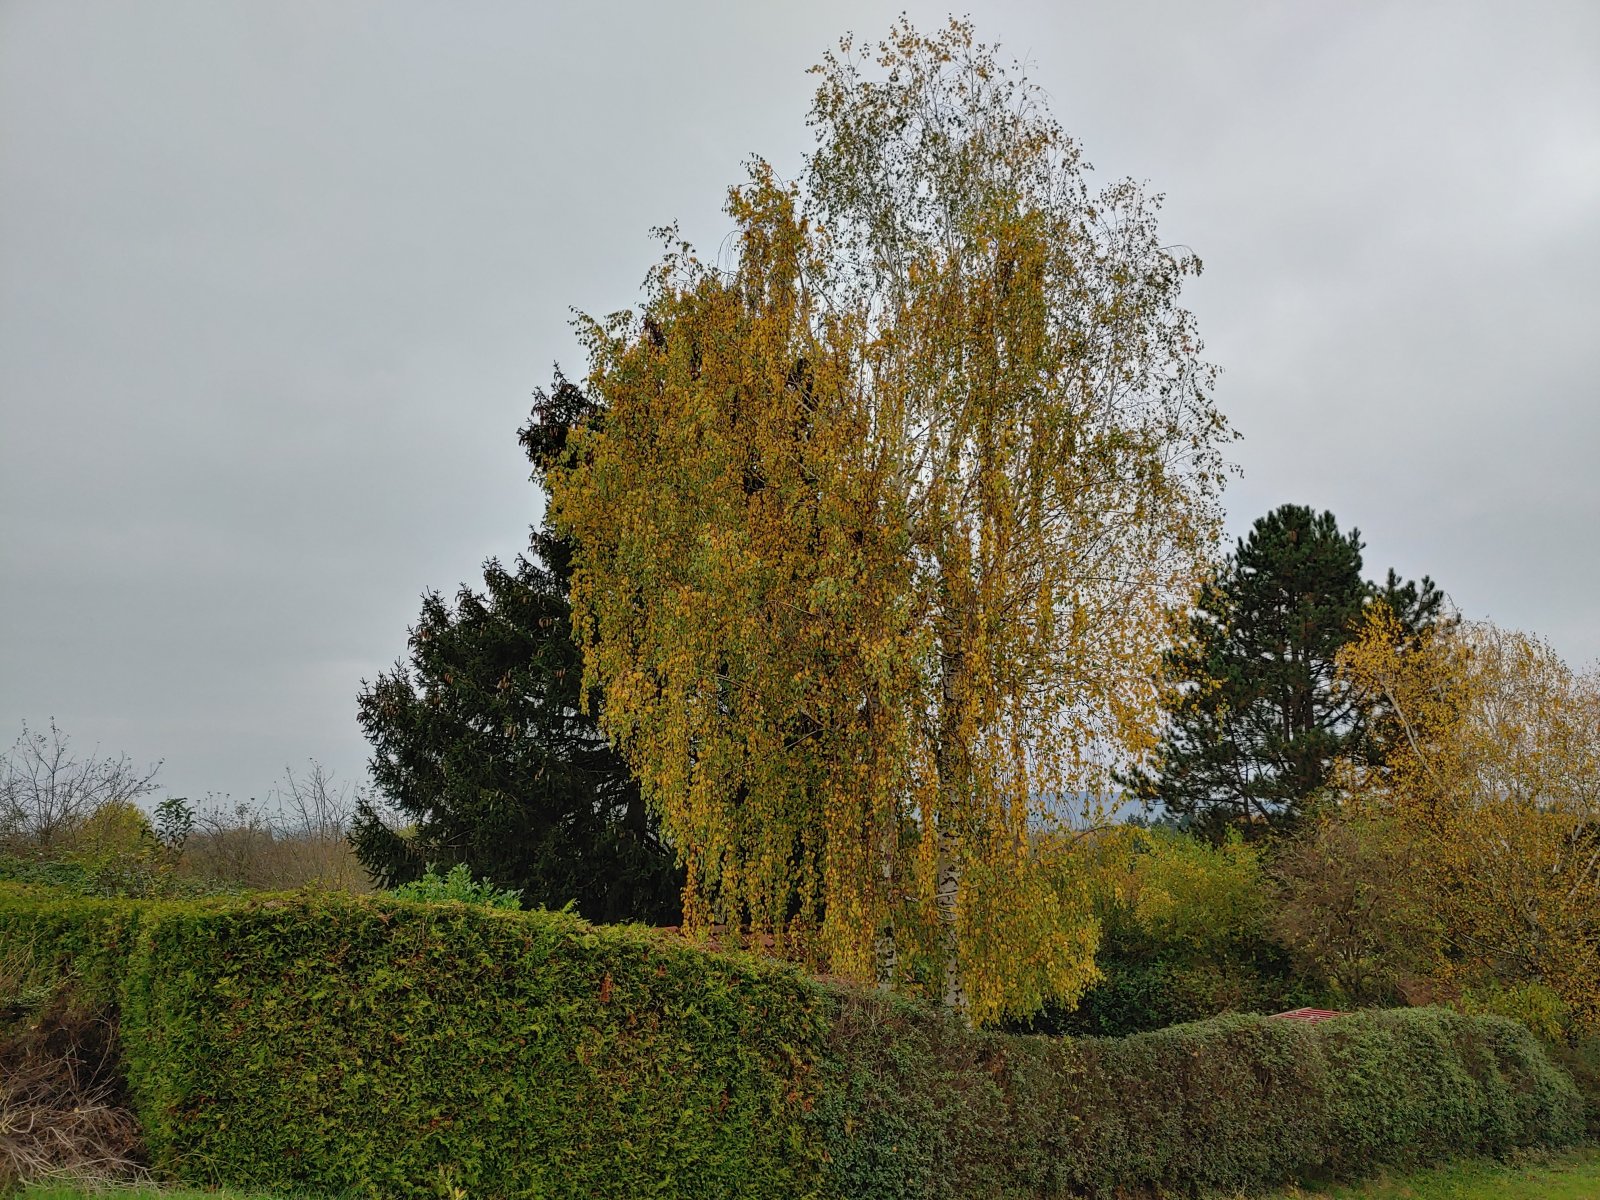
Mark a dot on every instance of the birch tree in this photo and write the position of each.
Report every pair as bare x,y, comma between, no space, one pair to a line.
878,535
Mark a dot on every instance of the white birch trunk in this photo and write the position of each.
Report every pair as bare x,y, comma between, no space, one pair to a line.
947,897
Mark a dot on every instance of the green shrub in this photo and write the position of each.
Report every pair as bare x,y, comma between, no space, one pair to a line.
331,1044
1138,994
457,884
914,1107
1537,1006
1542,1010
1183,937
1580,1058
375,1046
57,936
67,876
113,877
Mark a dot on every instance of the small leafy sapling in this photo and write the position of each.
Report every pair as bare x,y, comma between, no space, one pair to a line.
174,823
457,884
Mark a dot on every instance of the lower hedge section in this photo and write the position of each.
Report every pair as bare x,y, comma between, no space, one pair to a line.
363,1046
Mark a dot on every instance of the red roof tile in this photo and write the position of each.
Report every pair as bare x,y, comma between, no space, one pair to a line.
1308,1014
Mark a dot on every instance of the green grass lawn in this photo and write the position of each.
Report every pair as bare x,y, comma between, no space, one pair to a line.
1574,1176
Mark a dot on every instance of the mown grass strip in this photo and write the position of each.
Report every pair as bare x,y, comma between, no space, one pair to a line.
1571,1176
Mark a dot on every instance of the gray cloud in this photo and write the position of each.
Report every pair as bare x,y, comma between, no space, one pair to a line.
276,281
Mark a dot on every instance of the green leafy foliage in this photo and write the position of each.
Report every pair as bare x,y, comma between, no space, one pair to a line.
174,822
374,1046
1347,910
486,751
912,1107
1184,936
457,884
369,1046
1580,1057
141,876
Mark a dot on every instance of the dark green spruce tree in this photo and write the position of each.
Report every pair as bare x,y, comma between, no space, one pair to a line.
482,749
1256,716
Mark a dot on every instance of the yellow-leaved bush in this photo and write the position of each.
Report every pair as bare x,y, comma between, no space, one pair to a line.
1494,778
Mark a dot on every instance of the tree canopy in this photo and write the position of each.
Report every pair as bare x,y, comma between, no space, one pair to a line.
873,546
1256,714
481,743
1494,778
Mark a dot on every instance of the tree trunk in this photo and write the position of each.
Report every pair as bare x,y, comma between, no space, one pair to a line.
885,950
957,620
885,955
947,897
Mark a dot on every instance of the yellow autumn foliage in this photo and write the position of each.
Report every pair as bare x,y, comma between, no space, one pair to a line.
877,535
1494,773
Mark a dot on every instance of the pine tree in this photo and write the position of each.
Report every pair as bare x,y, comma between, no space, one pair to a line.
482,743
1256,715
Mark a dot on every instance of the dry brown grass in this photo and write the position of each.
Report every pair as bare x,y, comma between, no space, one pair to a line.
296,839
62,1109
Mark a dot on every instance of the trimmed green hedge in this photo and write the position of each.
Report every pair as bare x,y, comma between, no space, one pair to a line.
917,1109
83,941
369,1046
389,1048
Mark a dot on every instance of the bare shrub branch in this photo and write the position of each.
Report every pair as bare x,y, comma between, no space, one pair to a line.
46,792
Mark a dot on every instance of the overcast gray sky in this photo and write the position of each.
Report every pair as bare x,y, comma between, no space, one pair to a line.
277,279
